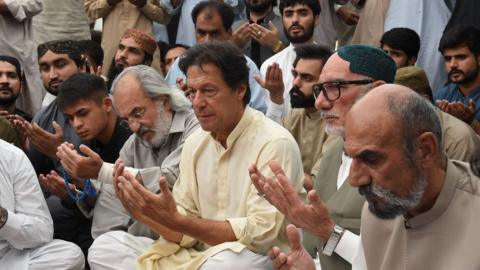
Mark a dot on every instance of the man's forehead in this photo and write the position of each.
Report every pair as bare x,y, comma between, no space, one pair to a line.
80,104
336,69
130,42
372,130
457,50
206,73
209,20
308,66
174,52
6,66
50,57
297,7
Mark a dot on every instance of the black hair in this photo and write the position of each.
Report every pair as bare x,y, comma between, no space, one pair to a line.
314,5
311,51
461,35
225,11
402,38
69,47
164,47
81,86
92,49
14,62
224,55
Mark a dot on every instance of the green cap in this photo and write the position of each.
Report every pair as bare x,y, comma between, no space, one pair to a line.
369,61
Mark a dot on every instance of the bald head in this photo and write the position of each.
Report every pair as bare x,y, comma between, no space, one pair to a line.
397,107
394,138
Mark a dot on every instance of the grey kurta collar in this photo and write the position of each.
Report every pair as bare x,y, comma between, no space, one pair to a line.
443,200
178,122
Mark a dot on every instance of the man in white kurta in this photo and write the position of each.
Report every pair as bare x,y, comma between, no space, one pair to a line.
16,40
26,236
221,221
428,19
299,30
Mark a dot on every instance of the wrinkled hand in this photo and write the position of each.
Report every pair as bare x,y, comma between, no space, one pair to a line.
266,37
141,203
458,109
297,259
349,16
138,3
313,217
273,82
43,141
79,166
56,185
242,35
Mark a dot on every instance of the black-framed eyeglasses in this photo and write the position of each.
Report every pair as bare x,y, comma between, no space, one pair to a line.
136,115
331,90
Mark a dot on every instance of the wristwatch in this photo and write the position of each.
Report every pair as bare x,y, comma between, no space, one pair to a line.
332,242
3,216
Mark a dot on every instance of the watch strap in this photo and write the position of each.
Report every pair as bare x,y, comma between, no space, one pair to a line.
332,242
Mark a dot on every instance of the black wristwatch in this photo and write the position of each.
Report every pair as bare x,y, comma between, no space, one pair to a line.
3,216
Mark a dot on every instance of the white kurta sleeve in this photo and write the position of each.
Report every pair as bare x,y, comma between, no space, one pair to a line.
350,248
24,9
29,222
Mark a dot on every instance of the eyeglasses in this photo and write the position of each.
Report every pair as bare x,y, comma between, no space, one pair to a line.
331,90
135,116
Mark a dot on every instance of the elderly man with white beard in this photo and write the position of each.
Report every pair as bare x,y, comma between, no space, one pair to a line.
161,119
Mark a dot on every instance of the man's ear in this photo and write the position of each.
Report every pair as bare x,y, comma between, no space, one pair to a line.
377,83
241,91
317,19
426,148
412,60
107,104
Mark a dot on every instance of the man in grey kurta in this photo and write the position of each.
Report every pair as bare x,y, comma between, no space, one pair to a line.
16,40
137,92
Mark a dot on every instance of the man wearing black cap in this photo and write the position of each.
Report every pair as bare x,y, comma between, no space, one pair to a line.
58,61
346,77
402,44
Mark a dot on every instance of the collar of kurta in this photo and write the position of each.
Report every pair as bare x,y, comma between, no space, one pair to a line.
443,200
178,122
247,118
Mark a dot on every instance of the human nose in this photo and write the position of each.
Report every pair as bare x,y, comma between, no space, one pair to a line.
52,73
295,17
207,37
3,79
123,53
358,175
134,125
297,82
322,103
197,99
77,122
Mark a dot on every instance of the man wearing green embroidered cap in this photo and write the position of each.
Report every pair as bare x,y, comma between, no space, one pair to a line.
335,222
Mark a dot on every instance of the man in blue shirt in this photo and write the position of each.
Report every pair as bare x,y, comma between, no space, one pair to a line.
460,47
